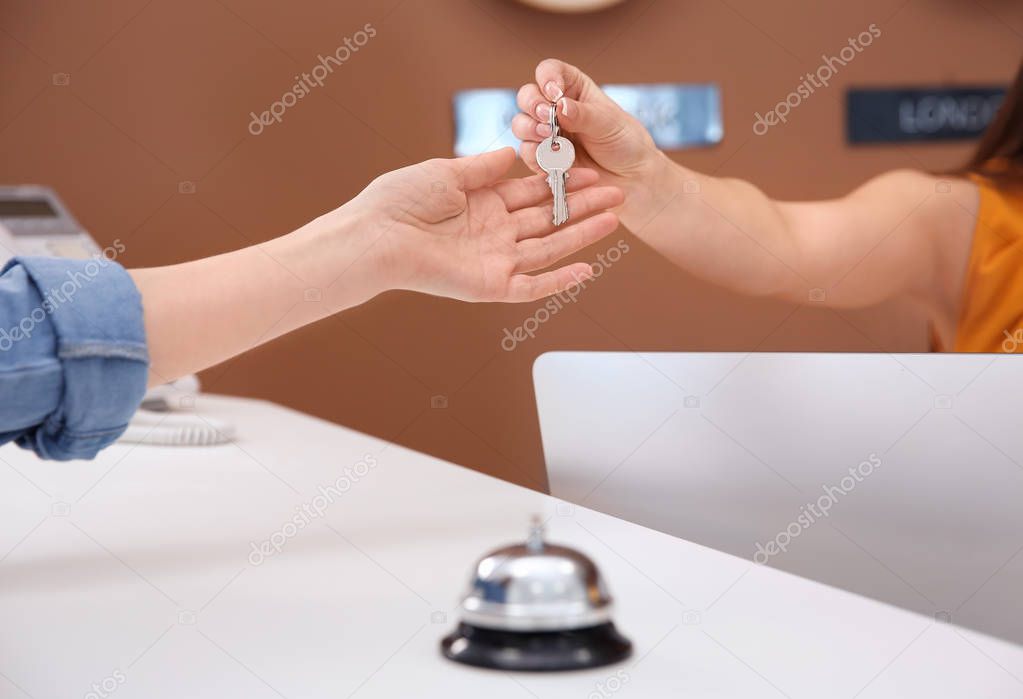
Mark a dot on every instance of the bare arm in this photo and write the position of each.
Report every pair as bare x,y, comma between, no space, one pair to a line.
900,234
443,227
903,233
200,313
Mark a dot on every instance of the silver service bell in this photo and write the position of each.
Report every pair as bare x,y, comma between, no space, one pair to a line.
536,606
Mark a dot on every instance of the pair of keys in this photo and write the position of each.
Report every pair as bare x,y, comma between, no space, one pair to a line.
555,156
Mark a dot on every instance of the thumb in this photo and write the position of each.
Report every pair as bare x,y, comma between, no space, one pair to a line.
599,121
583,107
475,171
556,79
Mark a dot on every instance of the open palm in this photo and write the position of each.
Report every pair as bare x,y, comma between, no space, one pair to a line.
454,228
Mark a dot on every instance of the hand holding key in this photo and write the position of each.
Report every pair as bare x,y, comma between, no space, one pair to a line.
604,135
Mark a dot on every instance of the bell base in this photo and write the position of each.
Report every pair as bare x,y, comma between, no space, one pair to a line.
536,651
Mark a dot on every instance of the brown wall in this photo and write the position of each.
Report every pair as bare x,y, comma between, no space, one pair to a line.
160,93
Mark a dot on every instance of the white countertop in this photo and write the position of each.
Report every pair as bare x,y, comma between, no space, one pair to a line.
135,573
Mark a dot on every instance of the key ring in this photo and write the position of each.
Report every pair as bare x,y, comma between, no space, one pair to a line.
552,120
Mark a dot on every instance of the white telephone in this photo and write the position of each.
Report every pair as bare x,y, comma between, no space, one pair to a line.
34,221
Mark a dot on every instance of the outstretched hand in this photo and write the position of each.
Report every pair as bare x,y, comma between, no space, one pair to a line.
444,227
453,227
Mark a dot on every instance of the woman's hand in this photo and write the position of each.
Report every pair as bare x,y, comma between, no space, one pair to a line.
454,228
444,227
604,135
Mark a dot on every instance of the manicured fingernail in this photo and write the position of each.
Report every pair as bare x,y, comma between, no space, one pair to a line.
564,108
553,91
543,111
543,130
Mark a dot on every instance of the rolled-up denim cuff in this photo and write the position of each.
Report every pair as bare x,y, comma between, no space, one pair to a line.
96,314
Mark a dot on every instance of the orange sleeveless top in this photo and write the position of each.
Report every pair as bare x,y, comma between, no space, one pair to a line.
992,312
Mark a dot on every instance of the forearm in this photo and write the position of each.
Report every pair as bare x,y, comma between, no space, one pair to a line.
198,314
902,234
443,227
724,231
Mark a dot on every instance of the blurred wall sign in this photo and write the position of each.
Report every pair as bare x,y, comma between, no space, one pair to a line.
677,115
920,114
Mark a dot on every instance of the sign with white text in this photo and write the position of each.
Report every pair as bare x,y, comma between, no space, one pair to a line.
920,114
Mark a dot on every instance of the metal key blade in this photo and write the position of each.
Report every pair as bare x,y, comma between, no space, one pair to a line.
558,190
556,181
561,215
556,164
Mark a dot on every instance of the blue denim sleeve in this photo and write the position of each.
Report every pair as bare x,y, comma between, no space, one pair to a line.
73,359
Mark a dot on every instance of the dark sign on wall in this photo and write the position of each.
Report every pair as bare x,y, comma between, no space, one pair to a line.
920,114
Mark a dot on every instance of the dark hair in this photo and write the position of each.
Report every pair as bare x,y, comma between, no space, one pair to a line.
999,156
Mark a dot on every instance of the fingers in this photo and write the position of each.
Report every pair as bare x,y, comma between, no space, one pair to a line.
523,287
538,253
529,100
598,120
527,128
535,221
485,169
557,78
544,252
582,106
530,191
528,152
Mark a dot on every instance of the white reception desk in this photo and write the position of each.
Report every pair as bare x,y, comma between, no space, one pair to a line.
142,574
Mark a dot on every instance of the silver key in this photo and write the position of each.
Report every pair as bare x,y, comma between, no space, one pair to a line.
555,156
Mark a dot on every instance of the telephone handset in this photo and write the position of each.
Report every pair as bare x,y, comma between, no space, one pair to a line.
34,221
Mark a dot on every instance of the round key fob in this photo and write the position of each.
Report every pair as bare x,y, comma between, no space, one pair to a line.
549,159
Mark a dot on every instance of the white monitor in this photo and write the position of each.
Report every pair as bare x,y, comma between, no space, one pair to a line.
916,458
